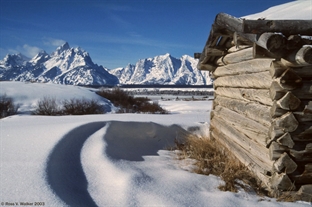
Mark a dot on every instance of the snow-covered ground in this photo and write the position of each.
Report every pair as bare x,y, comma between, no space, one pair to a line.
105,160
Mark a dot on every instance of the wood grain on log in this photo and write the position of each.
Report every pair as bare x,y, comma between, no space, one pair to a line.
260,80
289,102
247,94
252,129
299,58
207,67
273,42
286,122
276,150
249,66
239,56
287,27
286,140
304,92
285,164
276,111
257,112
256,149
289,80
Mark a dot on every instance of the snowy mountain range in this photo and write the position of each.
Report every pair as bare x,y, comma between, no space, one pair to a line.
65,65
164,70
74,66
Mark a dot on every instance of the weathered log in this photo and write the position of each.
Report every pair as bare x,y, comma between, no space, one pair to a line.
277,69
249,66
305,193
273,42
247,94
288,102
238,41
286,122
284,164
239,56
252,129
259,52
257,150
276,111
238,48
303,155
257,112
281,125
286,140
281,182
276,91
260,80
287,27
276,150
299,58
304,92
207,67
214,52
226,21
289,80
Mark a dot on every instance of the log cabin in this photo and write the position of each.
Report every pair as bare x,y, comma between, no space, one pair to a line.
262,110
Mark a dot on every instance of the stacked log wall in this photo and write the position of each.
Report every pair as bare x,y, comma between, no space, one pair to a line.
262,112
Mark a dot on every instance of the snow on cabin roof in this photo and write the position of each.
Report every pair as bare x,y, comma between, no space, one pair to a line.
300,9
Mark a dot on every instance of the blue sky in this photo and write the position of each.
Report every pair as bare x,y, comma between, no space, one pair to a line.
115,32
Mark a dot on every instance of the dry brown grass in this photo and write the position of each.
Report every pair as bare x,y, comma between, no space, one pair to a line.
213,158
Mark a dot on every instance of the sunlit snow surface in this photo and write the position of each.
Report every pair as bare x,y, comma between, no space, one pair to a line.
300,9
106,160
111,159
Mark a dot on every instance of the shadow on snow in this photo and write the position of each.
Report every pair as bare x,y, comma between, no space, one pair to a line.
64,170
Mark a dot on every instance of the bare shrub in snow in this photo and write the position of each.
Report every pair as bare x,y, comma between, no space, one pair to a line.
50,107
212,158
130,104
81,107
7,106
47,106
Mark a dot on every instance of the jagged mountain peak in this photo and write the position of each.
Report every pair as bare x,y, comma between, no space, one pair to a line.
40,57
163,69
64,66
63,47
13,60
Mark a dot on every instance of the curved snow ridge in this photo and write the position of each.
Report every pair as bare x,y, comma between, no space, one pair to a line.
64,170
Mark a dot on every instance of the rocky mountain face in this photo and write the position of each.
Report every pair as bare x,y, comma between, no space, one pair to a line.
74,66
164,70
66,65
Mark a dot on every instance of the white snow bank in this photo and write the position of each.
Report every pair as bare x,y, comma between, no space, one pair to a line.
151,176
26,94
300,9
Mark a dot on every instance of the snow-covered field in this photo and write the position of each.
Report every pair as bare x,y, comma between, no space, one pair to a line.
104,160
